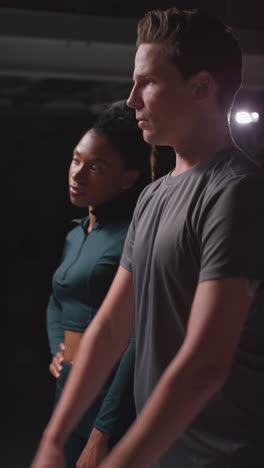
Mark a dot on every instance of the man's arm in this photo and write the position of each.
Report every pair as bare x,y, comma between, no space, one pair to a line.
102,345
200,368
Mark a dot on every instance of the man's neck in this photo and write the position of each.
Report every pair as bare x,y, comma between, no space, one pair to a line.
206,141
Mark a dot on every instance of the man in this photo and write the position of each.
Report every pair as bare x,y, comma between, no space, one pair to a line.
191,271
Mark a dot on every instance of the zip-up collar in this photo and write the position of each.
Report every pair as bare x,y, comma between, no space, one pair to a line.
119,209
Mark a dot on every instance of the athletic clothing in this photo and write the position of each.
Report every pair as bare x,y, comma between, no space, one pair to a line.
206,223
79,285
88,266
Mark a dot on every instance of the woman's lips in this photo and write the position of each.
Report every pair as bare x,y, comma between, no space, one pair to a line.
76,190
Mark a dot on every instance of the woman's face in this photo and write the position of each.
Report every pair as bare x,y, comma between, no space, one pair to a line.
97,173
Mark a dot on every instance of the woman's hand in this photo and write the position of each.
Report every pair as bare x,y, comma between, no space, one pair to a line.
94,451
56,363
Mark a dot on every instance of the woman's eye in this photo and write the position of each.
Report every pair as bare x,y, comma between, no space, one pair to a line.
94,168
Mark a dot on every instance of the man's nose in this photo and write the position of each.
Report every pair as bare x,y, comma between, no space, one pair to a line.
134,99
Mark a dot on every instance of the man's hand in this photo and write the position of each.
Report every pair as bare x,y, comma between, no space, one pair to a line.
95,450
55,365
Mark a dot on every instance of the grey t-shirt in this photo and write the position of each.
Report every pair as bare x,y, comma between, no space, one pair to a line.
203,224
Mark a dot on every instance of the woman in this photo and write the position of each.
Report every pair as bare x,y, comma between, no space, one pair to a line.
110,167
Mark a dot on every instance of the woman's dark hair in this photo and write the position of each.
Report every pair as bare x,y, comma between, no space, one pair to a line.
163,160
117,122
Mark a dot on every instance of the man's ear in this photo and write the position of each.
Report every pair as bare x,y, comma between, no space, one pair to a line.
203,85
130,178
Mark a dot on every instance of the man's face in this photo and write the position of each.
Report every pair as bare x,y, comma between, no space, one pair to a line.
161,97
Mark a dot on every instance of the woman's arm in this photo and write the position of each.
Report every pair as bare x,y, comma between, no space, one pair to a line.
55,335
115,415
102,345
118,407
54,327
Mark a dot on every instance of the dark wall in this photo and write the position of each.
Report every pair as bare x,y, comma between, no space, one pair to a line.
238,13
38,147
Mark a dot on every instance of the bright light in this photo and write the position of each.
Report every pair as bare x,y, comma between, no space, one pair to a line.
244,117
255,116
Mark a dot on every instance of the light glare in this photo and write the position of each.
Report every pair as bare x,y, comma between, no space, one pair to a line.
255,116
244,117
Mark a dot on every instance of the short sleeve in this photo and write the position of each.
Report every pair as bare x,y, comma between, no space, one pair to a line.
127,254
232,238
126,257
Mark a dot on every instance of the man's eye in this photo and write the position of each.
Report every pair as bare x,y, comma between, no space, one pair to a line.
149,82
75,159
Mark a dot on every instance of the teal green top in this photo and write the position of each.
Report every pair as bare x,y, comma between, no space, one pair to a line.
79,285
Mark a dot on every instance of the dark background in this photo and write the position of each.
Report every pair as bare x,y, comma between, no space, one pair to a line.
44,109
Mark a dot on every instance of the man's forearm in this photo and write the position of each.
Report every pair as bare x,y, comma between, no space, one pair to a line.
179,396
199,369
